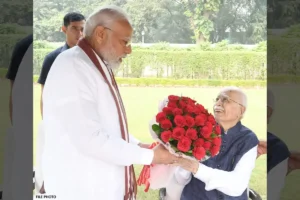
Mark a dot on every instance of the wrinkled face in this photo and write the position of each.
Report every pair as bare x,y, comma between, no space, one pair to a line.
74,32
228,107
114,42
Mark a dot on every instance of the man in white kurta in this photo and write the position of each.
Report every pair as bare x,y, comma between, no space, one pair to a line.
84,155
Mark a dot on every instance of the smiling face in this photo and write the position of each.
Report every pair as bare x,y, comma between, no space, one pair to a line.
229,107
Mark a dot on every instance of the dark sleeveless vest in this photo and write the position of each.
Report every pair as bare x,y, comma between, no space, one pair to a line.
235,143
277,151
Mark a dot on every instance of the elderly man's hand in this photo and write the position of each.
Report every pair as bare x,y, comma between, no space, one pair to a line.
262,148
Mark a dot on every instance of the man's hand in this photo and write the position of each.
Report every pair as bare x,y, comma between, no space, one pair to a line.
163,156
188,164
146,146
262,148
294,161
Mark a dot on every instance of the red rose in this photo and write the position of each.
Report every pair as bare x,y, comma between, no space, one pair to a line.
189,109
167,110
207,145
200,120
211,119
218,129
177,111
217,141
205,111
209,126
199,153
199,142
214,150
198,109
184,144
191,133
182,104
166,136
205,132
190,122
160,117
178,133
186,99
172,104
192,102
179,121
173,98
166,124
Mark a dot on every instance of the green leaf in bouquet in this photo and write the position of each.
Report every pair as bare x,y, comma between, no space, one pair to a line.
156,129
213,135
175,148
170,117
208,153
188,154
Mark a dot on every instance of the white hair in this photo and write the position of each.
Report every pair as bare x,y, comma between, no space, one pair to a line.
239,91
104,16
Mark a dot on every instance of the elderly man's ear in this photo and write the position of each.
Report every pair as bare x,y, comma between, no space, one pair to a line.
243,109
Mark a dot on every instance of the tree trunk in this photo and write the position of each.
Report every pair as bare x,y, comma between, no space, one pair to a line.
200,39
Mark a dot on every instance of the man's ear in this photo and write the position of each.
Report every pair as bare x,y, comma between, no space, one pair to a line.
64,29
243,110
100,33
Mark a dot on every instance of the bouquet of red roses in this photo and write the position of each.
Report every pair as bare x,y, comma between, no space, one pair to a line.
184,127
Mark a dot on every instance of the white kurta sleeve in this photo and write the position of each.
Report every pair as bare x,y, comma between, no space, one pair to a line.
276,180
133,140
78,111
232,183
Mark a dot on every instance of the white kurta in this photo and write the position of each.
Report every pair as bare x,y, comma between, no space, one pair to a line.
84,153
17,179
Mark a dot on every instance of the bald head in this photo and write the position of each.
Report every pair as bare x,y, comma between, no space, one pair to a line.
230,106
240,96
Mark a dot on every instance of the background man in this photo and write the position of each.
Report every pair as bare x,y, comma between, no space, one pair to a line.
73,28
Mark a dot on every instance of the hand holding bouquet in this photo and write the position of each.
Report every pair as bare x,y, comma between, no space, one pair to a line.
184,127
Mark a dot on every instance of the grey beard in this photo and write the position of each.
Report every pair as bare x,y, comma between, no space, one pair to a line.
113,64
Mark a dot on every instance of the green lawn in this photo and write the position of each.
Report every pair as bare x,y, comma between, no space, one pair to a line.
142,104
4,116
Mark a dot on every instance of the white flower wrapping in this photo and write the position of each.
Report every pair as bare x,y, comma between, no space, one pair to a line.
161,175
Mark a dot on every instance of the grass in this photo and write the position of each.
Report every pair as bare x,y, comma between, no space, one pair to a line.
4,116
279,79
141,105
170,82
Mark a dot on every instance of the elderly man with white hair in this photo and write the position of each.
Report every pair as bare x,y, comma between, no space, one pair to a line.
88,153
227,175
280,160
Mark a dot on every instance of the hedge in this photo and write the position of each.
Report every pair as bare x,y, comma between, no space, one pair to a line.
220,65
182,82
7,44
283,56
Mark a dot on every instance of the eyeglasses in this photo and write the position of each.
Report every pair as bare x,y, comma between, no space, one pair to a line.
126,42
226,99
